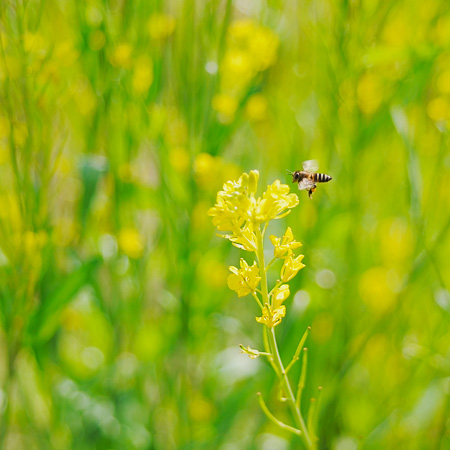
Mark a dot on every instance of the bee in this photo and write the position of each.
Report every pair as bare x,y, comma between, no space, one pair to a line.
308,177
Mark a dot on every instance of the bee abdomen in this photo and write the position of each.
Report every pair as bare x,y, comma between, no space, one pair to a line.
321,178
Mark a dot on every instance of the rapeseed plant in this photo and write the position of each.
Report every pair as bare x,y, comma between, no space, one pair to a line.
245,218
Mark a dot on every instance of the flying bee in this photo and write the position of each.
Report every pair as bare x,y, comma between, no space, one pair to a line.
308,177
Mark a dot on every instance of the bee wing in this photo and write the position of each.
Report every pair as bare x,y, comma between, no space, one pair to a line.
312,165
306,184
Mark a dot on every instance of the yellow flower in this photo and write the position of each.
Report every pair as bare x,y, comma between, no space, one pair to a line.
246,239
280,294
244,280
160,26
237,210
256,107
271,318
291,266
143,75
121,56
275,203
226,105
131,243
234,203
284,246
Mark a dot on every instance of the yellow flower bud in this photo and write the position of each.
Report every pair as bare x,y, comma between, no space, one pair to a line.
244,280
284,246
271,318
280,294
291,267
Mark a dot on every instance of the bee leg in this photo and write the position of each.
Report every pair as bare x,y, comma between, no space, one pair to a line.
310,192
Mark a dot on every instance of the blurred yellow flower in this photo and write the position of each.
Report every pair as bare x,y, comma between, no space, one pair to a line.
160,26
180,159
443,82
369,93
34,242
84,96
226,106
263,48
142,75
250,49
35,44
284,246
260,43
244,280
256,107
131,242
272,317
375,289
291,267
438,109
121,56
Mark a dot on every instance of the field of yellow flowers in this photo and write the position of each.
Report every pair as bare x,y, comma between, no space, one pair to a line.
121,121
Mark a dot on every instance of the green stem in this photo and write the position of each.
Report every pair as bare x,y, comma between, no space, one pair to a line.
274,419
273,349
290,398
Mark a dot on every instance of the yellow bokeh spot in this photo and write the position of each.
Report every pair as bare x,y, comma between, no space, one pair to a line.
369,93
161,26
376,350
438,109
85,340
179,159
213,273
131,242
121,56
443,82
148,341
4,127
84,96
322,328
207,169
397,31
35,44
441,30
226,106
396,241
142,75
176,131
375,290
200,409
256,108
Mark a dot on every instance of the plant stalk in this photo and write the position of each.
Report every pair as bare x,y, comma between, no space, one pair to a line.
273,349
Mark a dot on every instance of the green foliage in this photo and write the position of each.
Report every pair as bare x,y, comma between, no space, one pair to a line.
120,121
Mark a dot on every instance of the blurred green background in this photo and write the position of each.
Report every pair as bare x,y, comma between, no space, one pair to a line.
120,120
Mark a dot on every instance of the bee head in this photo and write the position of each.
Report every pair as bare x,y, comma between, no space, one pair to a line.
295,175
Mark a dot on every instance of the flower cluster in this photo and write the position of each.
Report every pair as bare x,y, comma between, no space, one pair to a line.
245,217
251,49
239,211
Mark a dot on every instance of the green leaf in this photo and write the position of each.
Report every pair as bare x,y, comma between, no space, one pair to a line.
45,321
